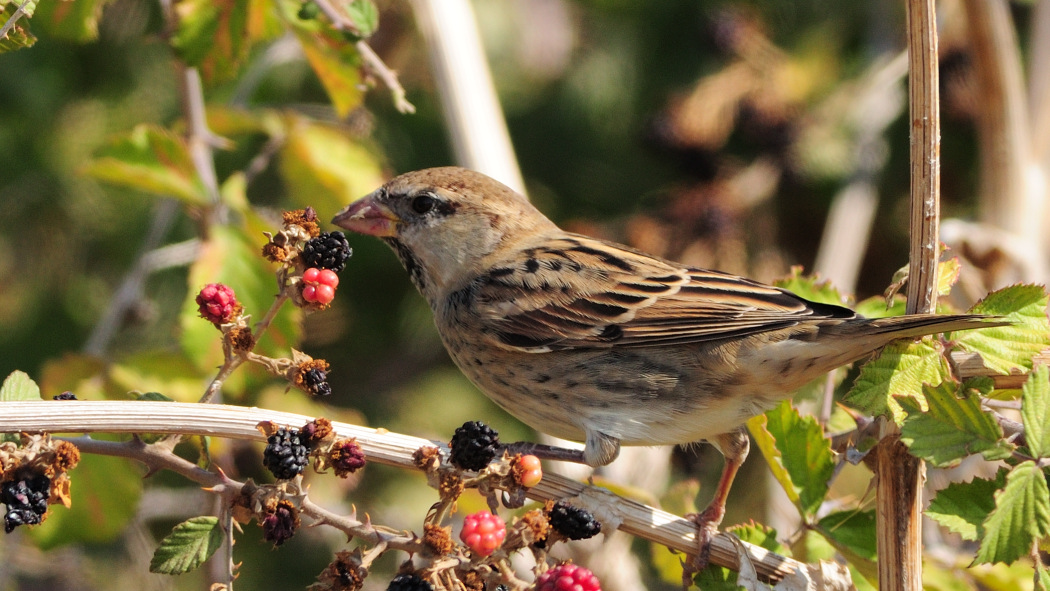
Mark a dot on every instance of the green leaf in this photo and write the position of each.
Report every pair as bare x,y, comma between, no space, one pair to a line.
105,492
901,368
19,386
188,545
71,21
810,287
217,35
324,167
153,397
1043,578
231,257
875,307
1021,515
1035,411
365,16
1006,348
852,531
952,428
963,506
800,455
947,275
337,65
150,159
718,577
19,36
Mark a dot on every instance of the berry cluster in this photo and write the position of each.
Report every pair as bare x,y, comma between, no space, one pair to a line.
26,500
218,304
483,532
330,250
568,577
319,285
407,582
286,453
473,446
528,471
572,522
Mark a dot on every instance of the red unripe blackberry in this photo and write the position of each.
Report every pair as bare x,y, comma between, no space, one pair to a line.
568,577
217,303
483,532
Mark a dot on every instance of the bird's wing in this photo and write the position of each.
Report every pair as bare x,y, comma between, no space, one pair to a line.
578,292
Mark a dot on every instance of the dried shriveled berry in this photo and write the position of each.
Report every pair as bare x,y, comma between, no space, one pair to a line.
279,525
573,523
26,500
473,446
330,250
346,457
67,395
286,453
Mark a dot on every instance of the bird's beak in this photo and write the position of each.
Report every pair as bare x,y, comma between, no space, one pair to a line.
368,216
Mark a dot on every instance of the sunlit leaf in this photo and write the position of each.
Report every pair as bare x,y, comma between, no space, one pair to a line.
150,159
1021,515
799,453
1005,348
19,386
951,428
1035,411
337,65
962,507
900,369
72,21
19,36
364,15
188,545
216,35
811,287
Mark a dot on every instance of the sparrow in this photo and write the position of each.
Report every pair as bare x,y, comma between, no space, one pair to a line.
594,341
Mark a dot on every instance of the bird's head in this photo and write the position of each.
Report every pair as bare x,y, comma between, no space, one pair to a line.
445,224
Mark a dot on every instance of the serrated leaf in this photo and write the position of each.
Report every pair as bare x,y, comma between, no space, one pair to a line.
1035,411
365,16
1006,348
150,159
800,455
852,531
810,287
153,397
947,274
18,37
325,168
951,429
963,506
900,369
336,63
188,545
19,386
1021,515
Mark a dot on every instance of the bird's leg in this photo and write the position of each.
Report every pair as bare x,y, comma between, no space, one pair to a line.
734,446
599,450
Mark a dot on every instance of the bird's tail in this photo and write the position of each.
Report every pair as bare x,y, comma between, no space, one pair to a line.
917,325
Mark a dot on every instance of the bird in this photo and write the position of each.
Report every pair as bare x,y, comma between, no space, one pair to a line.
597,342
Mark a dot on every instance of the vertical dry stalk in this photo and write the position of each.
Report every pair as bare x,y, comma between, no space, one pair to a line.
900,476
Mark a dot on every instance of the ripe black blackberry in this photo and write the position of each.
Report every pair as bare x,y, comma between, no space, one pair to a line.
316,381
473,446
26,500
286,453
572,522
330,250
407,582
65,396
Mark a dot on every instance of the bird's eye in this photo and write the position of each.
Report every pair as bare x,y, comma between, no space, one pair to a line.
423,203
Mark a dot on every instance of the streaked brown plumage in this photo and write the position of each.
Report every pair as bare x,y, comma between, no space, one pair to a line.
596,342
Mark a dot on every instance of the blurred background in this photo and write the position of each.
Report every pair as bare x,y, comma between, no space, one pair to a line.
717,133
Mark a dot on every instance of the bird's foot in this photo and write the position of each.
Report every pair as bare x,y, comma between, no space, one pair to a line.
707,525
